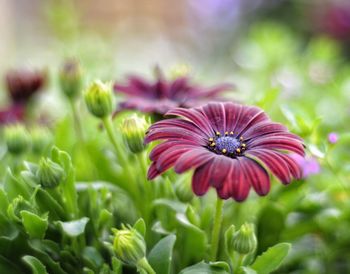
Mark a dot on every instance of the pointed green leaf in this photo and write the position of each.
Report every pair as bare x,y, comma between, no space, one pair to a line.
140,226
34,225
161,255
271,259
36,266
203,268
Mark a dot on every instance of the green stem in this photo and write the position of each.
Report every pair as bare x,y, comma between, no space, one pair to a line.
216,229
239,262
144,265
77,124
123,161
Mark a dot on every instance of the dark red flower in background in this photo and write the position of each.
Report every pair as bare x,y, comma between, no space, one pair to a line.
162,95
230,146
23,84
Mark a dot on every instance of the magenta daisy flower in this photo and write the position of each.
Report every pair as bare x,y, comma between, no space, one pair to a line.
12,114
231,147
23,84
160,96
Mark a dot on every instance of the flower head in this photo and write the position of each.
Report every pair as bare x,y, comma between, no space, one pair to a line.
22,84
230,146
71,78
98,99
333,137
17,138
160,96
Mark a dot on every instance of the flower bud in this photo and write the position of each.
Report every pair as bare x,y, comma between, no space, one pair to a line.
70,78
333,138
230,232
133,130
49,173
183,190
17,139
244,240
98,99
129,245
41,139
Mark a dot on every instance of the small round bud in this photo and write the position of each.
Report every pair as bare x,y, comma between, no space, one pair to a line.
41,139
133,130
49,173
244,240
183,190
70,78
98,99
17,139
129,245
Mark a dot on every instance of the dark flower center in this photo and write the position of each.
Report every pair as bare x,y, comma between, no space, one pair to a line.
227,144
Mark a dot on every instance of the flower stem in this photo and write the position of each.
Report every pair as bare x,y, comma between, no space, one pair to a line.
144,265
216,229
77,124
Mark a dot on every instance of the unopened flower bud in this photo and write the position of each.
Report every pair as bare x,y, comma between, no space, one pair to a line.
49,173
129,245
41,139
244,240
70,78
183,190
98,99
133,130
17,139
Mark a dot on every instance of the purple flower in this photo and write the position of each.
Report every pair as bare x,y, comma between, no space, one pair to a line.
333,137
231,147
309,165
160,96
23,84
13,114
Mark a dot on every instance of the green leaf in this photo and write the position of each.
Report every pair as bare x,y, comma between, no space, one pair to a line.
47,203
14,186
247,270
203,268
36,266
7,266
271,259
74,228
34,225
171,204
140,226
92,257
161,255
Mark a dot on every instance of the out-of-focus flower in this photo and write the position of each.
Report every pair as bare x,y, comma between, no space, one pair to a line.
333,137
41,139
98,99
244,240
22,84
334,19
230,146
309,165
17,138
162,95
129,245
71,78
49,173
13,114
133,131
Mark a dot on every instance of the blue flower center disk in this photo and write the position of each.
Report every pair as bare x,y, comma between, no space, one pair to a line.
228,143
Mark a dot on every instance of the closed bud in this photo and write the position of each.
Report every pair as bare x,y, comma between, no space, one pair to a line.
98,99
49,173
70,78
133,130
244,240
17,139
41,139
129,245
183,190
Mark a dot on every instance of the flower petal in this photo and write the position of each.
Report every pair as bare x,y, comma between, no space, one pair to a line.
195,117
256,175
215,112
200,179
192,159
